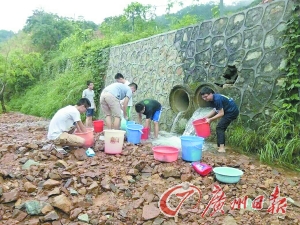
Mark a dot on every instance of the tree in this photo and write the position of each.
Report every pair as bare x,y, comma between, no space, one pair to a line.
47,29
5,35
137,11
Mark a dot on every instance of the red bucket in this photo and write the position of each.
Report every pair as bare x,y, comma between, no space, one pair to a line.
202,128
145,134
98,125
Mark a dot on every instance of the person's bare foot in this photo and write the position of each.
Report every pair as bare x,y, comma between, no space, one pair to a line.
221,150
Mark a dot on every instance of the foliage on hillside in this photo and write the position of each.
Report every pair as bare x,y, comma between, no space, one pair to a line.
5,35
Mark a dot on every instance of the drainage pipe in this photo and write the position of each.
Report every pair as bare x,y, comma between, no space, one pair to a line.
181,99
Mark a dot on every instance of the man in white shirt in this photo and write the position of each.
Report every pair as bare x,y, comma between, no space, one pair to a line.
120,79
64,122
89,94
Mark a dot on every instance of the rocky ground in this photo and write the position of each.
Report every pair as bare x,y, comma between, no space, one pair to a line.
41,186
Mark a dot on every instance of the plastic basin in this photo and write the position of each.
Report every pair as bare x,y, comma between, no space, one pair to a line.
228,175
113,141
87,136
191,147
202,128
165,153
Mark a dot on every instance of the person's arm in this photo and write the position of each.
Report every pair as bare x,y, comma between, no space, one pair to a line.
140,118
211,114
124,107
80,127
217,116
83,94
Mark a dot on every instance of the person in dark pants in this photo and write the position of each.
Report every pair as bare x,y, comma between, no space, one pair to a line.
152,109
224,108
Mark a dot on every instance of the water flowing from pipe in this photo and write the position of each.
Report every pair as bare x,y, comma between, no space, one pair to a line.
175,122
198,114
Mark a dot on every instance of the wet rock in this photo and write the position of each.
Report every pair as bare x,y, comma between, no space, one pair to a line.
63,203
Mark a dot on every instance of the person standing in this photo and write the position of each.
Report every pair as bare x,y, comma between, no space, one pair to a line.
120,79
64,122
110,102
152,109
224,108
90,95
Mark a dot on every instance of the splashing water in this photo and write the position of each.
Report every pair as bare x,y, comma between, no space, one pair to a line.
175,122
198,114
173,139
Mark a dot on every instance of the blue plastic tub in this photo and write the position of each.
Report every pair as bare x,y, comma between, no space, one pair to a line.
134,133
191,147
228,175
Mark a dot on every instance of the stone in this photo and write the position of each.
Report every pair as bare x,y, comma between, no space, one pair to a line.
33,207
51,216
29,187
170,172
29,163
48,184
63,203
19,215
80,154
84,218
75,212
55,191
150,212
10,196
61,163
46,209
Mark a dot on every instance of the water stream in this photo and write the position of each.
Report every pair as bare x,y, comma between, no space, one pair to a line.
175,122
173,139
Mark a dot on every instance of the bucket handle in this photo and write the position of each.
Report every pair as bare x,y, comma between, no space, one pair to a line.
141,131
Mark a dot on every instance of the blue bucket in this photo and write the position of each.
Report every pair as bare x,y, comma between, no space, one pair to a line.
134,133
191,147
124,124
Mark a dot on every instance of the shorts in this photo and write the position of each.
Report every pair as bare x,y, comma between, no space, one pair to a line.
156,115
69,139
110,105
89,112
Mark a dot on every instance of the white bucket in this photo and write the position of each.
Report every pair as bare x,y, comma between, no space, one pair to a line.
113,140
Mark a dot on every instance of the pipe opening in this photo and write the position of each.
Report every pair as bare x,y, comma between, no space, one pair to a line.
179,99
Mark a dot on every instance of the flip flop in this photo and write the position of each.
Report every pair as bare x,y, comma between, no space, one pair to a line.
61,150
